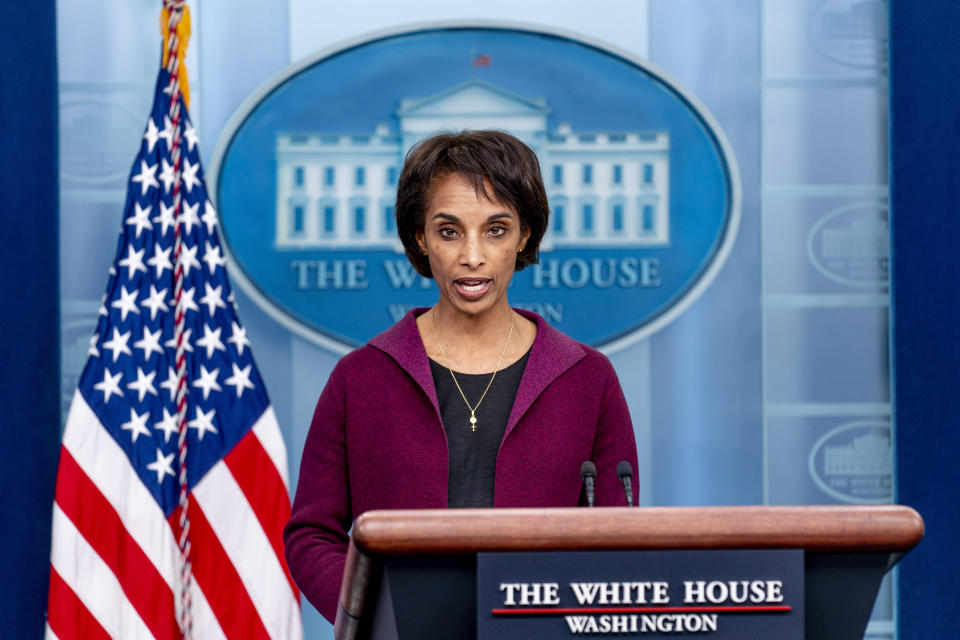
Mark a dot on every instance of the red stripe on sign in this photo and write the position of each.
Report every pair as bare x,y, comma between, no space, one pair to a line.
100,525
67,616
531,611
218,579
263,487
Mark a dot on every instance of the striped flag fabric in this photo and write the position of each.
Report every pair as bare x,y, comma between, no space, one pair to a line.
115,562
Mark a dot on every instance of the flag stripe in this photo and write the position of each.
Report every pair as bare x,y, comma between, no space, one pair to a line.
246,545
261,484
218,579
92,581
267,430
205,625
100,525
104,462
66,616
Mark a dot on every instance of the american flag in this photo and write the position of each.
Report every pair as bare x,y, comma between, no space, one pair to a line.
115,560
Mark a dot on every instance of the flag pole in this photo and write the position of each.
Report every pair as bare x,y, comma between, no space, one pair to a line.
175,15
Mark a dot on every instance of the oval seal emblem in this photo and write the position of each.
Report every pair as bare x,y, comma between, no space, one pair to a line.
852,463
851,245
852,33
643,188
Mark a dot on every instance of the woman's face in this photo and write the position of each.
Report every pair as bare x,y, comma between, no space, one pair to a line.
471,243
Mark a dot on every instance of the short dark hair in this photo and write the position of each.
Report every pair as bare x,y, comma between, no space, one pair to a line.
508,164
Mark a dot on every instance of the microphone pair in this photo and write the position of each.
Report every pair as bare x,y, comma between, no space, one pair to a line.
588,471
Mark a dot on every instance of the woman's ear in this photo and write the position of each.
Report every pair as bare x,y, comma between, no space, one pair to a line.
422,243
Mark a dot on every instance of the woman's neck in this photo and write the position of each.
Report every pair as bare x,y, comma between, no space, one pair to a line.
474,343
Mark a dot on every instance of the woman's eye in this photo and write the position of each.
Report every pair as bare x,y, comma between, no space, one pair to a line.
447,232
497,231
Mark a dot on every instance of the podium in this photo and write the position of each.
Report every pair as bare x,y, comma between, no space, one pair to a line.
412,573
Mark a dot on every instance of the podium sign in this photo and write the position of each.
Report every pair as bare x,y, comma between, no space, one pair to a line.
721,595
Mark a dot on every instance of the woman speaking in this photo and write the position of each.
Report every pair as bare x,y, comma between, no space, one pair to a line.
469,403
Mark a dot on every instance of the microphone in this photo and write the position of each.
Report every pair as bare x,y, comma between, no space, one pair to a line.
625,471
588,471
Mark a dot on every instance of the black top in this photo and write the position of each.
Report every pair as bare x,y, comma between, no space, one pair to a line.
473,454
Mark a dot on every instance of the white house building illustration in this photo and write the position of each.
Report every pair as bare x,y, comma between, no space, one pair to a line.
606,189
867,455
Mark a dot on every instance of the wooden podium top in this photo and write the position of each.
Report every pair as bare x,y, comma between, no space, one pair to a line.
887,528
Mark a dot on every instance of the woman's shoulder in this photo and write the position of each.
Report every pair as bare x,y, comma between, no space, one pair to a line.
557,345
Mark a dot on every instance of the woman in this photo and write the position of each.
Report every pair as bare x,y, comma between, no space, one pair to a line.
469,403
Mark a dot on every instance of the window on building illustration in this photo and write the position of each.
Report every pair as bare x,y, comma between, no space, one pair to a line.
329,219
617,174
588,174
648,173
298,176
389,220
648,219
588,218
359,219
391,176
558,174
360,177
329,176
297,220
558,219
616,218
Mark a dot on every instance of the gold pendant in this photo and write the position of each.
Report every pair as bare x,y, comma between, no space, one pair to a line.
473,422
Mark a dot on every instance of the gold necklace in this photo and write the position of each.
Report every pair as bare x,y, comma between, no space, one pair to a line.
473,410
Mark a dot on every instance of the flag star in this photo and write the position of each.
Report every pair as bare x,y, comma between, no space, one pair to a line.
103,305
149,343
167,132
155,302
186,300
208,381
166,218
213,298
211,341
137,426
170,384
239,338
166,175
118,344
240,378
189,176
146,177
202,422
151,135
212,257
160,259
133,262
163,465
127,303
143,384
168,425
172,342
140,218
190,134
189,217
93,351
110,385
209,217
188,259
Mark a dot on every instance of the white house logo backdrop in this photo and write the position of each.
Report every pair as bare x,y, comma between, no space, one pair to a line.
644,193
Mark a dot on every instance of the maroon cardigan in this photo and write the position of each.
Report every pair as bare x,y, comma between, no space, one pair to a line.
377,442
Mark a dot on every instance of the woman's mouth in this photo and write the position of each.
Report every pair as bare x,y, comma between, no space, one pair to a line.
472,288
